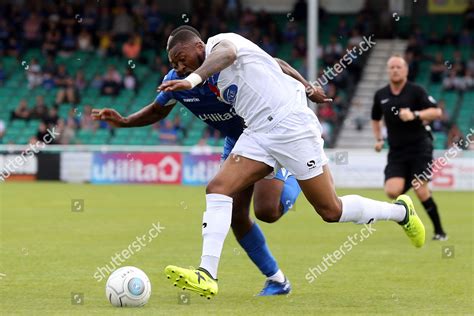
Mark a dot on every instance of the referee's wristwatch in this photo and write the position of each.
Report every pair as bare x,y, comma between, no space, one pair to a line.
417,115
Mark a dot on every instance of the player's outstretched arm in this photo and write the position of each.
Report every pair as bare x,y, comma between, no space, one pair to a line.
315,94
222,56
150,114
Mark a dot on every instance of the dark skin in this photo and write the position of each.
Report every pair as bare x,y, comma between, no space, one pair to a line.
186,58
234,177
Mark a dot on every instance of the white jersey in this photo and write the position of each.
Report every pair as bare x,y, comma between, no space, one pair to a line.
255,85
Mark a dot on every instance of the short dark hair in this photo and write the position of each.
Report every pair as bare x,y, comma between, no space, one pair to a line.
185,27
180,37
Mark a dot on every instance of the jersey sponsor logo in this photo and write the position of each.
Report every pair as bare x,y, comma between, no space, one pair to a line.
191,100
217,117
230,94
384,101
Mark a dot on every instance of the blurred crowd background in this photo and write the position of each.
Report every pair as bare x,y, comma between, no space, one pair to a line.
60,59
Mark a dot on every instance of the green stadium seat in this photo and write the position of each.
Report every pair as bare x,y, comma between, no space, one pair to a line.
19,124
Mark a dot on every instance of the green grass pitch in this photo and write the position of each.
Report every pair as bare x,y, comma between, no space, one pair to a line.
48,252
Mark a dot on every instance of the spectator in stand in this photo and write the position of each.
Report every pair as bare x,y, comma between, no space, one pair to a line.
21,112
40,110
68,16
299,47
80,82
413,65
465,39
454,136
458,63
470,64
4,35
434,38
467,81
268,45
123,25
34,75
67,131
2,75
452,81
167,133
131,49
52,117
450,37
438,69
48,81
130,80
50,66
420,36
86,122
52,40
414,48
441,124
32,30
68,43
65,83
153,18
13,47
106,45
355,38
469,16
326,113
112,81
333,51
84,41
97,82
42,132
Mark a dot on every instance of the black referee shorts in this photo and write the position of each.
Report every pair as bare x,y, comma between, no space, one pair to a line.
403,164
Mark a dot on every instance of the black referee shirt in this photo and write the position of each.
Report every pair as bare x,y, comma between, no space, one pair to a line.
386,104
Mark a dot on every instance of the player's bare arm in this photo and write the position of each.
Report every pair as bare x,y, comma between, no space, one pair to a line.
148,115
222,56
429,115
314,93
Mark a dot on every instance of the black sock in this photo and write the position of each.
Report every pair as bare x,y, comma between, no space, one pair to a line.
432,210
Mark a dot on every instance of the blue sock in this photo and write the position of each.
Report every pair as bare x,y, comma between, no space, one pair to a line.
290,193
254,244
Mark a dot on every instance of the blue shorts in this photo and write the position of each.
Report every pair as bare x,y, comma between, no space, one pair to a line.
229,144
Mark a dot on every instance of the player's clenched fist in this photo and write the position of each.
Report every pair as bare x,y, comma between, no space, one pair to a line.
110,116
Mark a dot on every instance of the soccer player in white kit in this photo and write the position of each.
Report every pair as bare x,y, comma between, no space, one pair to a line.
281,132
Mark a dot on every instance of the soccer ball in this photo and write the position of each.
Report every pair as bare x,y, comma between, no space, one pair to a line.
128,287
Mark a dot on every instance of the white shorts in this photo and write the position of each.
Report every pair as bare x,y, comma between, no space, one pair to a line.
295,143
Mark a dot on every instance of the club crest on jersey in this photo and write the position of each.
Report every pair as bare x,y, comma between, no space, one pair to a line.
230,94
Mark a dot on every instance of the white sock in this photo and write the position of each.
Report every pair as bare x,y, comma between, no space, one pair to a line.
361,210
215,226
277,277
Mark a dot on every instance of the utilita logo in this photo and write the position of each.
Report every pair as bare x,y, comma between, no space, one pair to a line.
217,117
144,168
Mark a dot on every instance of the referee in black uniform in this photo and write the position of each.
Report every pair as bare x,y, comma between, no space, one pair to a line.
405,106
